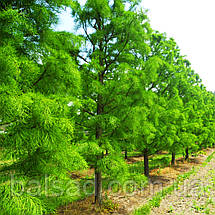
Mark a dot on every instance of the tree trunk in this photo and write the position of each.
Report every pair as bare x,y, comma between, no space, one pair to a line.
186,154
146,162
98,186
98,173
126,155
100,110
173,159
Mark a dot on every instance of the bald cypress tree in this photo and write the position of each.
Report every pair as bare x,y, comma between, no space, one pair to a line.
38,78
114,32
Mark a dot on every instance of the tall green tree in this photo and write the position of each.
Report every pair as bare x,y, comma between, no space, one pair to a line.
148,127
159,69
38,78
114,32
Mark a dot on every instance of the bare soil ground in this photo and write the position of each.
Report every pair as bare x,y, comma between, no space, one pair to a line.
128,201
195,195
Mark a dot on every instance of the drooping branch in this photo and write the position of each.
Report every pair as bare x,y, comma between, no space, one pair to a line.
122,121
36,82
40,78
129,90
113,99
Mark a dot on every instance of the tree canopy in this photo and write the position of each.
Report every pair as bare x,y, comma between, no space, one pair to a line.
74,101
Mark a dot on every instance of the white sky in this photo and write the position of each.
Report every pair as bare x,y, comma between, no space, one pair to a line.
190,22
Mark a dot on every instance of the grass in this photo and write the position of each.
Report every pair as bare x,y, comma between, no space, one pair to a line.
157,198
155,162
135,173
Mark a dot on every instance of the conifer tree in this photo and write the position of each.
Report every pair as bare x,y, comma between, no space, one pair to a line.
38,79
114,33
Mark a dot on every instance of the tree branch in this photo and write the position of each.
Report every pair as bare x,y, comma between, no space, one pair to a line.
153,85
129,90
87,35
86,111
166,88
40,78
115,58
82,58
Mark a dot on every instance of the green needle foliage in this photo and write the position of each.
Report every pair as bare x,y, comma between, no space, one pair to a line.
139,92
38,79
109,70
69,102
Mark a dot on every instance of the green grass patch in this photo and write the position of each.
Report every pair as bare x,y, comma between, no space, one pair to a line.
157,198
155,162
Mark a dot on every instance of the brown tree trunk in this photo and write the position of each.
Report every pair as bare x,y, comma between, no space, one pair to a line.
186,154
173,159
98,173
126,155
146,162
98,186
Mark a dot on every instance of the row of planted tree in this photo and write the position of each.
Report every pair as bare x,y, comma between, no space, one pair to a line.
74,101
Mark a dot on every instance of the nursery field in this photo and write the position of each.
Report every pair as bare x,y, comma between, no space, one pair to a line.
192,194
128,201
104,119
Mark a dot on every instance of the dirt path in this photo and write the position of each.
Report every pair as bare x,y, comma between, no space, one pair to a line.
159,178
195,196
128,202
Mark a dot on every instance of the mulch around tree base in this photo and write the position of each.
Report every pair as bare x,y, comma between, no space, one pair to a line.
127,202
